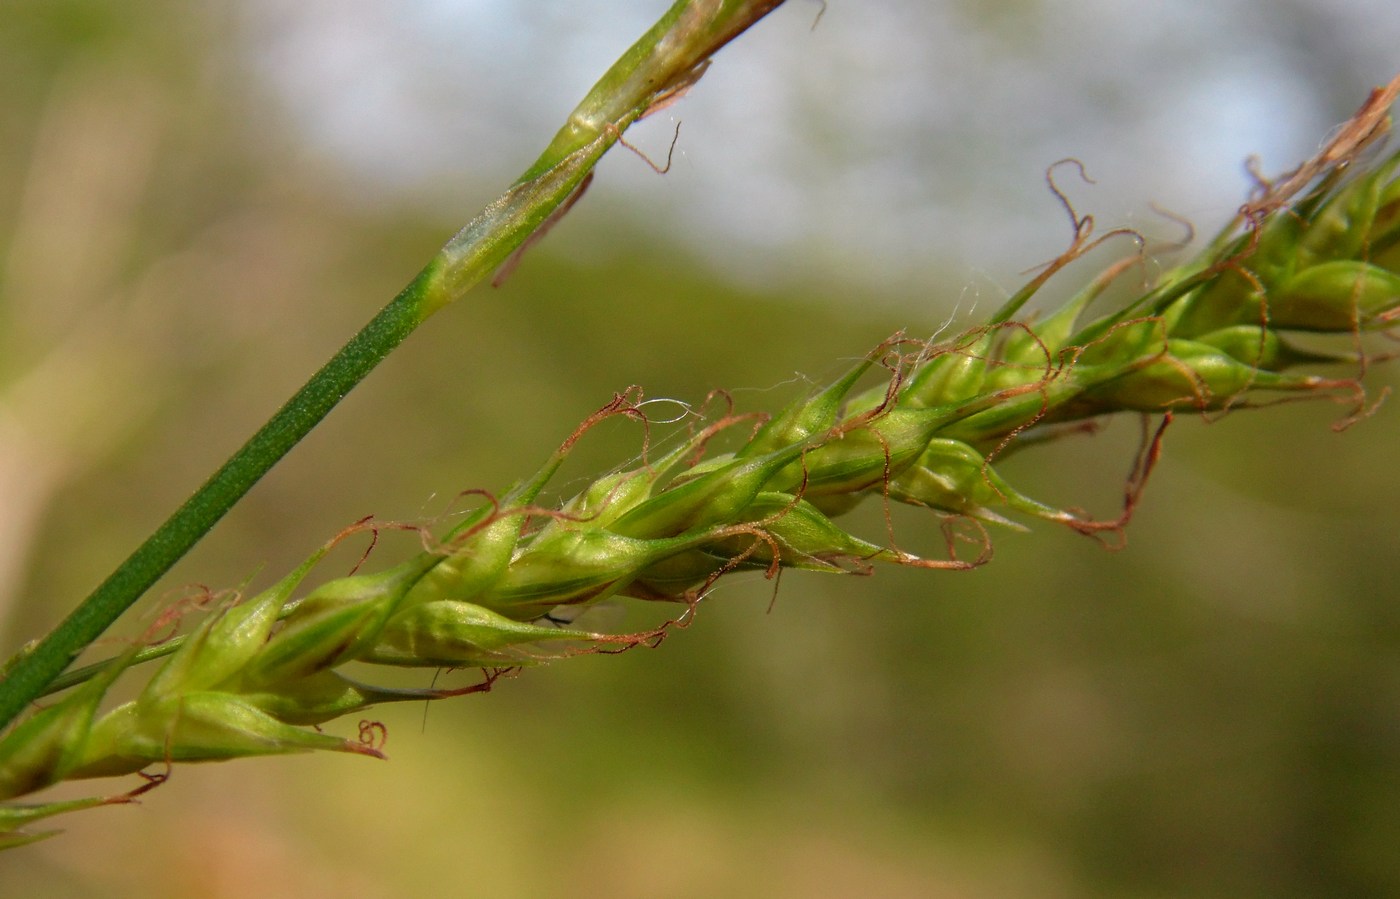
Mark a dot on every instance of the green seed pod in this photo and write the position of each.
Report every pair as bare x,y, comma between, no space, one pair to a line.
806,539
1227,299
1027,351
1131,340
339,619
62,742
718,496
479,549
1250,344
998,414
955,372
1263,348
1344,225
1330,226
450,634
1190,375
670,578
1336,296
44,748
195,727
610,497
37,753
1386,254
866,401
574,567
1275,254
329,694
954,477
811,417
865,455
322,697
225,642
1233,295
476,562
1384,247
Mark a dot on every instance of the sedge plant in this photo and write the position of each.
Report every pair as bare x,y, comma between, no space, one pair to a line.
1315,252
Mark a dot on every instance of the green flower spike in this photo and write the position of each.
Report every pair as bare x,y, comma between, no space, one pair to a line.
1317,251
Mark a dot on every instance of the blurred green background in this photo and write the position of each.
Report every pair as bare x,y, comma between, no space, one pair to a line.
199,201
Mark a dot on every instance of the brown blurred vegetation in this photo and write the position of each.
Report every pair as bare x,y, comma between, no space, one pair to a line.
1213,712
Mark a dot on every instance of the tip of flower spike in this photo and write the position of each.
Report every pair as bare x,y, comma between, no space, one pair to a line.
1370,122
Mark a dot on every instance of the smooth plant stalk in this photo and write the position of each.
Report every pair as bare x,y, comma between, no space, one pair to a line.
656,69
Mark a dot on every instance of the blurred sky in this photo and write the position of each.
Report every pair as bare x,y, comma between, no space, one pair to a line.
888,143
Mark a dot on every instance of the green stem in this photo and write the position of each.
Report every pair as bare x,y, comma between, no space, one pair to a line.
659,66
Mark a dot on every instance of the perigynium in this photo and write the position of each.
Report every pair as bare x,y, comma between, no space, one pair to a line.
1317,250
